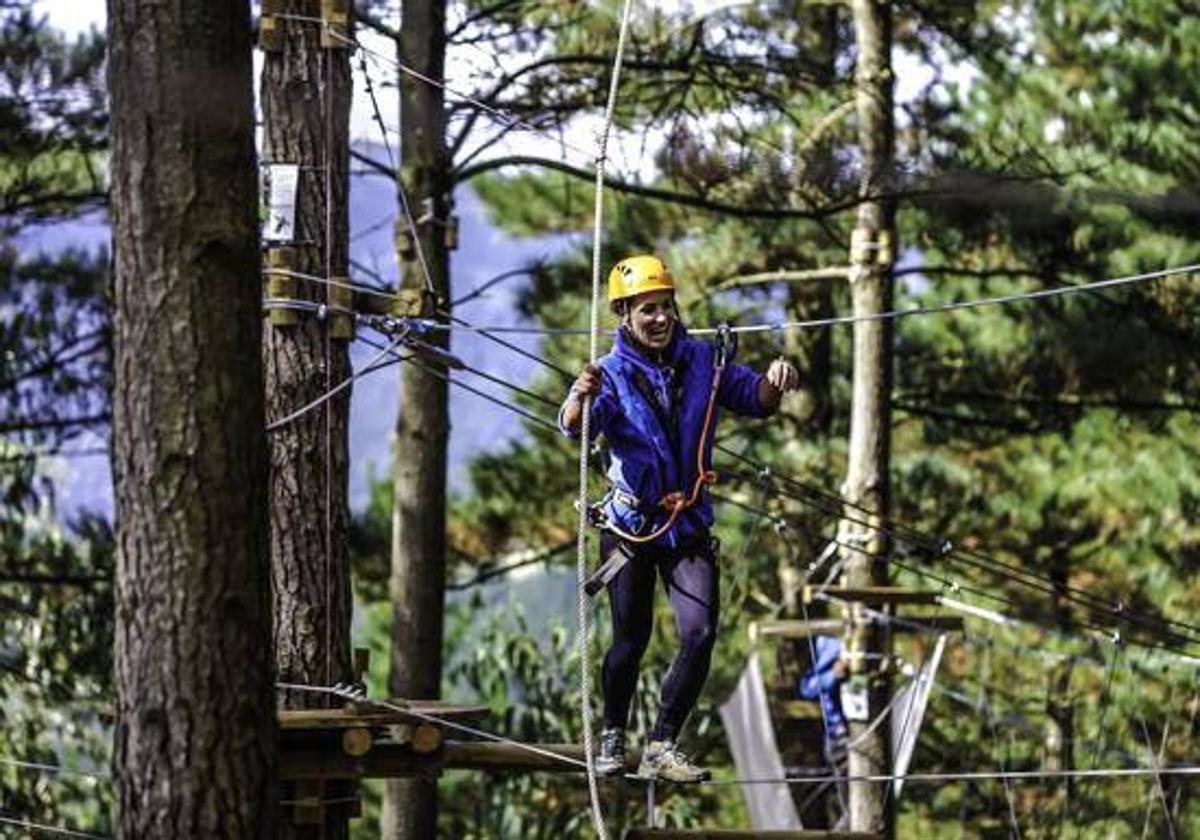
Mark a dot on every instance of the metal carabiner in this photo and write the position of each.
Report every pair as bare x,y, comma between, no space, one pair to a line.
726,345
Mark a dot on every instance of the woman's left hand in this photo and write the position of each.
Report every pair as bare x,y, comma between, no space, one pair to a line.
783,376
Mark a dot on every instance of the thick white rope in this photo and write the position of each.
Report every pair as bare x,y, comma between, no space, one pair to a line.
585,624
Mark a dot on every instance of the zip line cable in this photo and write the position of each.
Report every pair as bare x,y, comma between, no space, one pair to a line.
1057,291
1016,297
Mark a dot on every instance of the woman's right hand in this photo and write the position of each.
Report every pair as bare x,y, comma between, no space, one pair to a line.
587,383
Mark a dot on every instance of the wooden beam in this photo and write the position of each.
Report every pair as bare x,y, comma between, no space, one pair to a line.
872,594
797,629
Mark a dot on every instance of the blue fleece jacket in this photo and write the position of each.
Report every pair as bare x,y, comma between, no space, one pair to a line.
653,416
822,683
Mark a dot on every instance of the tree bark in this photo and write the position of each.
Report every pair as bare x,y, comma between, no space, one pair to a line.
306,92
867,481
195,734
418,578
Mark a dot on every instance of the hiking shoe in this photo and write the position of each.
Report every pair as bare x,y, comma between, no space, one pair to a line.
611,760
663,760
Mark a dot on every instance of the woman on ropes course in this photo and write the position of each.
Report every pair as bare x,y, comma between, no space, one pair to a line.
655,398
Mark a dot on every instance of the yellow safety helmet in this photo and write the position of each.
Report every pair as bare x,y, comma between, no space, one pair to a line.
635,275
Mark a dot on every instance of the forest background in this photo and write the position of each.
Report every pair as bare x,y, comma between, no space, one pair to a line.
1039,144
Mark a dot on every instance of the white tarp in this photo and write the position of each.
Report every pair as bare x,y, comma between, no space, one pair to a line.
908,713
747,722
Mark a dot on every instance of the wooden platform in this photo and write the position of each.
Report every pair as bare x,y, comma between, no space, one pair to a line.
742,834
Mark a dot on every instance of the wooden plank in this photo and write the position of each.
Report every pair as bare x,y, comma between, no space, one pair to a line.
872,594
743,834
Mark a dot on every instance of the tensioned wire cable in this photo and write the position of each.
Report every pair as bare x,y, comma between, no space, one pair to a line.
1104,631
894,314
945,548
955,587
433,371
49,829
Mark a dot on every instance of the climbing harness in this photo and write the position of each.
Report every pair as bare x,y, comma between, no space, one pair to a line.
675,502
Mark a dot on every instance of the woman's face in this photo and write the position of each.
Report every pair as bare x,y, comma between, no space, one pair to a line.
651,318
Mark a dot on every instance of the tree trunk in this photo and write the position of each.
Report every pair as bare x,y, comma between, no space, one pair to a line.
306,91
417,585
867,481
195,735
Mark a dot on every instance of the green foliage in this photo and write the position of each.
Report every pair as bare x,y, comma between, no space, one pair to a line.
56,613
53,116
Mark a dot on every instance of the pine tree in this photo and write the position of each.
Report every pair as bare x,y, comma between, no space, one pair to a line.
195,735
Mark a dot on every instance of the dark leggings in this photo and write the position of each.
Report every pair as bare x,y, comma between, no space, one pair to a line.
689,575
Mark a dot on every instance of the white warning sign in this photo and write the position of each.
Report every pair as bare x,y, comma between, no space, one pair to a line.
280,183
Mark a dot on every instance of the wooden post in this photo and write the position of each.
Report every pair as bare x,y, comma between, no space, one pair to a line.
867,484
417,584
306,91
194,741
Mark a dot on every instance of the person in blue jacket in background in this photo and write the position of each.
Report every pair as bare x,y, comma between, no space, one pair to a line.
823,682
655,397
